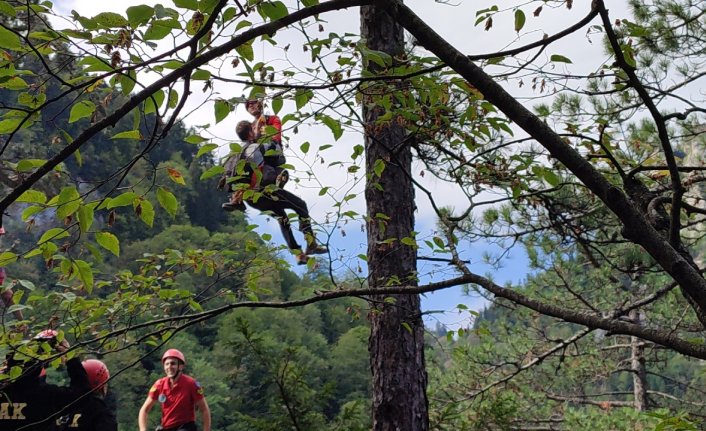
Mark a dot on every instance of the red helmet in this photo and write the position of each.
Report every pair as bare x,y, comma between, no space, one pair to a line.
97,372
174,353
2,230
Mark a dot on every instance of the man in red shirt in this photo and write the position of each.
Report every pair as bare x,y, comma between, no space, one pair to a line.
179,396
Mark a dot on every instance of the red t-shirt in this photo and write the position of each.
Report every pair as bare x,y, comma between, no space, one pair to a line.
178,400
263,121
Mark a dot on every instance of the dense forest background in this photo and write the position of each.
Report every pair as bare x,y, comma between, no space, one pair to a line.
308,368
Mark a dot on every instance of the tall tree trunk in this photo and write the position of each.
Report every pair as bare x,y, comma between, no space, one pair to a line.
397,332
639,371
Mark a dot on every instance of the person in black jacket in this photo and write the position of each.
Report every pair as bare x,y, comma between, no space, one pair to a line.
252,173
27,403
90,412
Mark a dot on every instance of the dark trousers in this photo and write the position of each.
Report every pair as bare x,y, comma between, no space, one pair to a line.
276,203
189,426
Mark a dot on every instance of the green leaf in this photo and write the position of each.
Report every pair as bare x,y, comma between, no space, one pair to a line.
109,242
127,81
26,165
9,125
139,15
173,64
519,20
229,14
277,103
245,50
551,177
212,172
146,211
32,196
559,59
7,9
31,100
122,200
110,20
157,31
334,125
53,234
9,40
201,75
379,167
30,211
85,217
69,201
85,274
439,242
173,99
207,6
167,200
222,109
82,109
130,134
194,139
95,64
153,103
304,147
309,3
187,4
206,149
274,10
301,97
6,258
14,83
409,241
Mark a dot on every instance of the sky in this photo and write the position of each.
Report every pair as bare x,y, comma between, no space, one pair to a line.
455,21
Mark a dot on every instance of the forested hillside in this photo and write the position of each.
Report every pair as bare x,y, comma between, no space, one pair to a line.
261,369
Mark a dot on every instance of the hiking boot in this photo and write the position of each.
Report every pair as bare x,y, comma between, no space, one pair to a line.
302,259
316,249
230,207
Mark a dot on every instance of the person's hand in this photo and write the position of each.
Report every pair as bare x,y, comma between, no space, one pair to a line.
63,346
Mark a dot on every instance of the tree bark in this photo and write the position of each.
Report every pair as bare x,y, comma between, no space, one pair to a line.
639,371
396,341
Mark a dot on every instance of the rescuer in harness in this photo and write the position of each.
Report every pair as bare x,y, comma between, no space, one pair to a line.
267,130
252,180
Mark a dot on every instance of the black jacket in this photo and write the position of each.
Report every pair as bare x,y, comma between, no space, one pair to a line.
90,413
29,404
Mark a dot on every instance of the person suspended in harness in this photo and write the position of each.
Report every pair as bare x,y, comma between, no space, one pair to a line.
252,180
267,130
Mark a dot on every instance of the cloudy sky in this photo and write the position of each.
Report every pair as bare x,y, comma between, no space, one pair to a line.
453,20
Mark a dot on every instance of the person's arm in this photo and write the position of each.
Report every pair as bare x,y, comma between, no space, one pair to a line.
202,406
78,377
143,416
